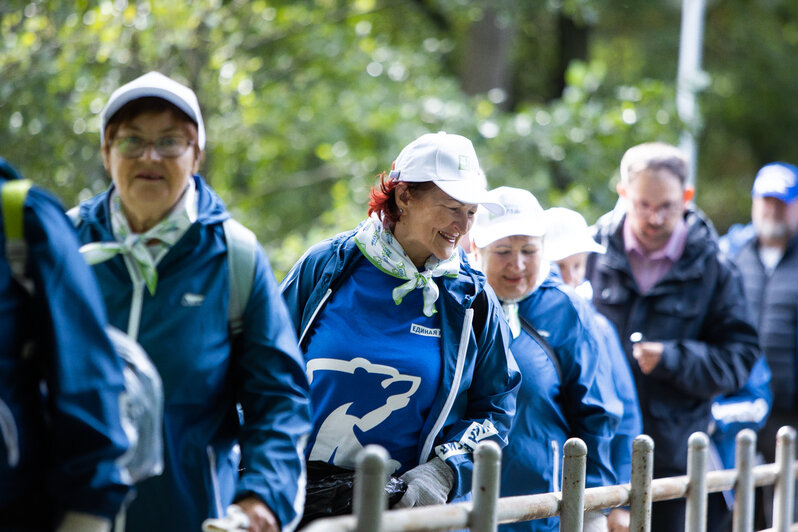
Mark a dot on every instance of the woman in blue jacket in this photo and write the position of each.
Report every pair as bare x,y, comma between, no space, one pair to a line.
158,242
404,343
59,454
569,393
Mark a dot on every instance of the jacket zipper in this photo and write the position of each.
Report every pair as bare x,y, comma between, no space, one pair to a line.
8,429
455,388
217,497
313,316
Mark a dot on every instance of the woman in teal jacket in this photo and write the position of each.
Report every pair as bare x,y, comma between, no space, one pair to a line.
158,242
392,311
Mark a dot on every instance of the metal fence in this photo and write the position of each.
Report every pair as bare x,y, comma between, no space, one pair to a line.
487,510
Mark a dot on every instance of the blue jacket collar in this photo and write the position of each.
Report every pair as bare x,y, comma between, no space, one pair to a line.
211,208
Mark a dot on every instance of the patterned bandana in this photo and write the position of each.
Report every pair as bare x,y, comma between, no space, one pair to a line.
381,248
145,249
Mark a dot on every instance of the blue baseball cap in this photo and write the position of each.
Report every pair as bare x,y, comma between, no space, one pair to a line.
776,180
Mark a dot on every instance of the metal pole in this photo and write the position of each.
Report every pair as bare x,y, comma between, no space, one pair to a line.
640,493
573,485
369,499
485,487
697,449
785,481
743,519
690,79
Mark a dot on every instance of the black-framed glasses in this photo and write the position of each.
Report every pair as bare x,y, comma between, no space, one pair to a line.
167,147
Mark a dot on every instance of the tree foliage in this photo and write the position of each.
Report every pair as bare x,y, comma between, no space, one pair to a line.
306,101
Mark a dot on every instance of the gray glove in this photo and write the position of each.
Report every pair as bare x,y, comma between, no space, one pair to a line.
427,484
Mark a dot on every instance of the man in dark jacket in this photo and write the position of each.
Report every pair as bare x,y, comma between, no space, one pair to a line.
766,253
662,277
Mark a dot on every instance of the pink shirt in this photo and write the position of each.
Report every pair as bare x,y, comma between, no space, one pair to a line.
649,268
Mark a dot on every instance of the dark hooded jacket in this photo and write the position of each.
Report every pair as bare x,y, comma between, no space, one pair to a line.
699,312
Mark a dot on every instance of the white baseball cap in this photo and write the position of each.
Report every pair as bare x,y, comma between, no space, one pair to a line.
522,215
155,85
567,234
450,162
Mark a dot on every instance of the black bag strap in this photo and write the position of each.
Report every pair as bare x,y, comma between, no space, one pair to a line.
480,320
552,354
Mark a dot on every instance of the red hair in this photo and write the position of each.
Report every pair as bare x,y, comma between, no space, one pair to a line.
382,198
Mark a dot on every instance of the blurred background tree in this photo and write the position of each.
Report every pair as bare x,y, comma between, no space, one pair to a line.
306,101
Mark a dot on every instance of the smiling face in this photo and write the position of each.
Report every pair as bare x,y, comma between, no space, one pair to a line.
512,265
430,223
150,185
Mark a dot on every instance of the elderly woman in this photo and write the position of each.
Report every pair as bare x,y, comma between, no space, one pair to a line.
567,389
404,343
159,241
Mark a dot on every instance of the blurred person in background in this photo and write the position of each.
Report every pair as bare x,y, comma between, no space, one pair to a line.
664,278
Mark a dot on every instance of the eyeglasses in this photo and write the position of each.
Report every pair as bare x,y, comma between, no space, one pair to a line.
664,211
167,147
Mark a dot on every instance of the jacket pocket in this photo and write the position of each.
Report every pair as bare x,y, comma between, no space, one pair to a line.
8,430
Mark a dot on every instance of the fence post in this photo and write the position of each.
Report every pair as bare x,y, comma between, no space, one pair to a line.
743,519
572,509
785,481
640,493
369,499
485,487
697,448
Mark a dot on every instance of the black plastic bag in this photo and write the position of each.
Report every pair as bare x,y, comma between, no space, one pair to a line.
330,489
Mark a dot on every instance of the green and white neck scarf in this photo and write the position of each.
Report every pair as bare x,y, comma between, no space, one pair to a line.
510,308
381,248
145,249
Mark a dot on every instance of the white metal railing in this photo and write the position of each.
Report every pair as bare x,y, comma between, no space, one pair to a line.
487,510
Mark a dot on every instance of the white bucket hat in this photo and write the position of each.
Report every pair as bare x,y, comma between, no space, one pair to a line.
522,215
155,85
450,162
567,234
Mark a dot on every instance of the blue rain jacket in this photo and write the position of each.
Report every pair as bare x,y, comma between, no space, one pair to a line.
211,459
480,377
584,405
69,464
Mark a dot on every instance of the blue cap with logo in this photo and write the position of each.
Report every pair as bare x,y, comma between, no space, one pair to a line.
777,180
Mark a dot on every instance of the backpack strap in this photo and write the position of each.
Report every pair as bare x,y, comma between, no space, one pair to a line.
241,248
13,201
480,320
550,352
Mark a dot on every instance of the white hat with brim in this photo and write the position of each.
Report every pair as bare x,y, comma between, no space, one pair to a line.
155,85
523,216
450,162
567,234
